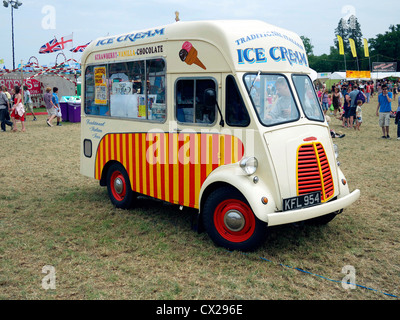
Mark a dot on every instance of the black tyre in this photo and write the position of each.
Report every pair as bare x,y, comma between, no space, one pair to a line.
322,220
230,222
119,187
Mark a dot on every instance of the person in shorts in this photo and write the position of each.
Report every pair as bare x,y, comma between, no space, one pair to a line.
50,107
324,101
358,115
383,110
57,105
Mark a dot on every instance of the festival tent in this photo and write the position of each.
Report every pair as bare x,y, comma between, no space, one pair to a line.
383,75
334,78
323,75
313,74
338,76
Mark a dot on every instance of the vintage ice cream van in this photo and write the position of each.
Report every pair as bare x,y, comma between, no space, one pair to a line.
220,116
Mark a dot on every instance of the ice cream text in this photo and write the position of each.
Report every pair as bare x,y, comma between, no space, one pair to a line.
132,37
259,55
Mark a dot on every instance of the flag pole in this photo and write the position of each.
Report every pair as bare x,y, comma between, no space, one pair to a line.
72,46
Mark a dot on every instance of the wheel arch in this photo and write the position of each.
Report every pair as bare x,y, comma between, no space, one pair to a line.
103,179
232,176
210,189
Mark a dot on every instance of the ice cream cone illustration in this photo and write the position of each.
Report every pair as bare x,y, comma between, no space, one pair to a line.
189,54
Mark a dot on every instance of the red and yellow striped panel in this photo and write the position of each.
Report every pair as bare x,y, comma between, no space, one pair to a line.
169,166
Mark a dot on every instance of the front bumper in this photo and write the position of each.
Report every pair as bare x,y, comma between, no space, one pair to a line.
284,217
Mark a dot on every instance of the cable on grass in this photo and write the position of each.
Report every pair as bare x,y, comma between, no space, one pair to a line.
322,277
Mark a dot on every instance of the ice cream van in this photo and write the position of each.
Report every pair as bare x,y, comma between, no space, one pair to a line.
218,116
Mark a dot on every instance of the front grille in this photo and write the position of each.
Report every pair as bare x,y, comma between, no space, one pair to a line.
313,171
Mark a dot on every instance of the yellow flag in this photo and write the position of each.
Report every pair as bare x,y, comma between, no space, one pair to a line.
366,51
341,47
353,47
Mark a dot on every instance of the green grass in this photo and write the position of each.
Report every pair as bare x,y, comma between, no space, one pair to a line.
52,215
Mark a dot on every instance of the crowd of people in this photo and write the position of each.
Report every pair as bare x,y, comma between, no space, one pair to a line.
345,101
15,105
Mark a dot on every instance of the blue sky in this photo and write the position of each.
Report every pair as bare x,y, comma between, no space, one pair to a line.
38,21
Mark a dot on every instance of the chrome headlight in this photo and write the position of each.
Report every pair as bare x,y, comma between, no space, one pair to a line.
249,165
336,149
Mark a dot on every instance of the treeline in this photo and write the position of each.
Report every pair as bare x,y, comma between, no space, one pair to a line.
383,48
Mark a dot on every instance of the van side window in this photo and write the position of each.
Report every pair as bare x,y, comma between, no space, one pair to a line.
133,89
190,104
235,110
96,95
127,89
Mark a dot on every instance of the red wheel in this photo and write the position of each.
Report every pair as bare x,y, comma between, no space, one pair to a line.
230,222
119,187
234,220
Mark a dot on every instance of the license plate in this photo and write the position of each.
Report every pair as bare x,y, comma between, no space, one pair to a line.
303,201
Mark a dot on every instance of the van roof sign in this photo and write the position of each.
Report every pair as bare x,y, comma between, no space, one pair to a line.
131,37
245,45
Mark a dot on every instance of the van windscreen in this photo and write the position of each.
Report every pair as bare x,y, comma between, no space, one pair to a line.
308,98
272,98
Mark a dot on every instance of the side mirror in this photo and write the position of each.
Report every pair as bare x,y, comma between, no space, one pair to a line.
210,98
210,101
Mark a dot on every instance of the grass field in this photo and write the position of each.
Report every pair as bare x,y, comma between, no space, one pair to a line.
50,215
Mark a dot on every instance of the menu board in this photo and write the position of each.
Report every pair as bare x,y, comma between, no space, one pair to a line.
100,84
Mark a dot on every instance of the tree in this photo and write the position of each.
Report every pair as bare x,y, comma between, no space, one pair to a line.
341,31
350,29
307,45
387,46
383,48
354,32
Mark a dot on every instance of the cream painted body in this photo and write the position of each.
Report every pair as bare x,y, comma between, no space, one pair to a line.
222,46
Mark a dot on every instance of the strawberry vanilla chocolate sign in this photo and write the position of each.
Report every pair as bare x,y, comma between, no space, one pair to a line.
188,54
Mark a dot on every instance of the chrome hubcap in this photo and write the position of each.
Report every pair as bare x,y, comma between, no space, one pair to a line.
234,220
118,185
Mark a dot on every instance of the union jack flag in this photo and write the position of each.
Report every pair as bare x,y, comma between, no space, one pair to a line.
80,48
51,46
